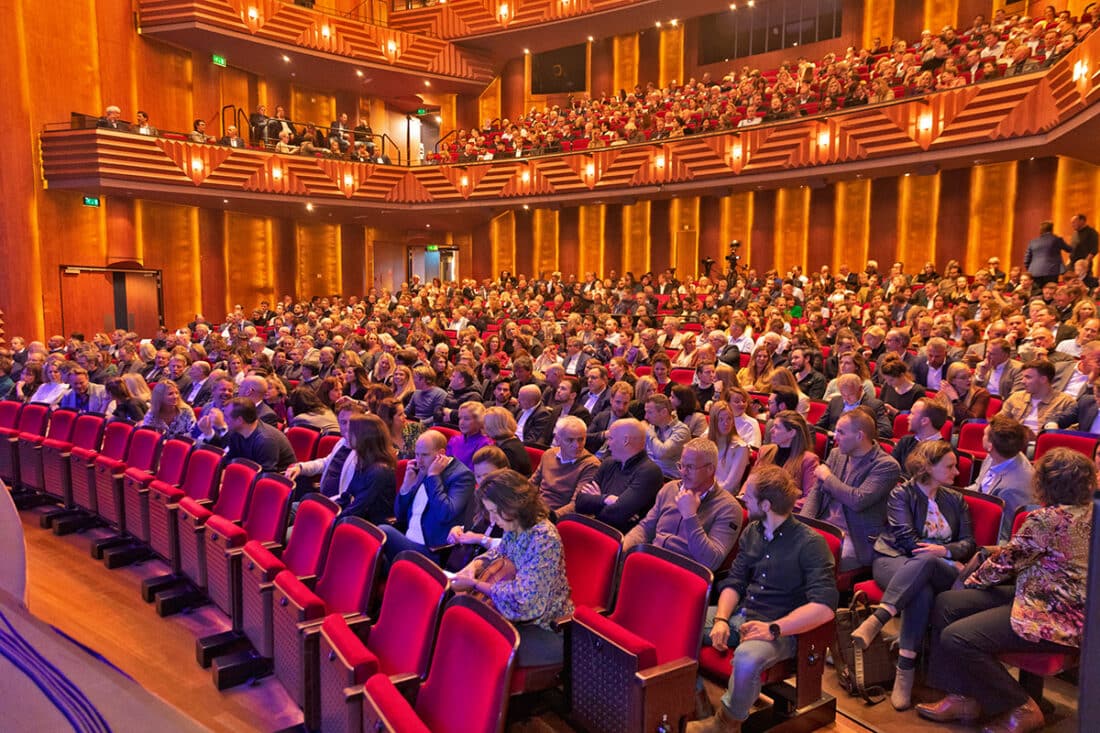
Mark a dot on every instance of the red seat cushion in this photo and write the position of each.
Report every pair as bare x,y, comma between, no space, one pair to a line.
171,493
393,706
1044,665
142,478
360,659
196,510
32,438
61,446
872,589
234,536
296,590
644,650
264,558
111,464
84,454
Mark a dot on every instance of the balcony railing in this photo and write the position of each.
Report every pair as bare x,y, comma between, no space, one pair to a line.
1007,117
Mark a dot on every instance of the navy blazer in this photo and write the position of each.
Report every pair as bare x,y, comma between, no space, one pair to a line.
448,495
906,512
921,368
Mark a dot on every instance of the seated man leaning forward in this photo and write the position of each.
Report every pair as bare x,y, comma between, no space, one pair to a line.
782,583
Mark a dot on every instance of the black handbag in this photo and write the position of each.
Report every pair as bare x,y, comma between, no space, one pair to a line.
864,673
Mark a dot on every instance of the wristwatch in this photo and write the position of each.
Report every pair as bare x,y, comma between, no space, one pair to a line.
776,632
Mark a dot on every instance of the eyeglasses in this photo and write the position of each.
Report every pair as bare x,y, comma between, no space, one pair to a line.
682,467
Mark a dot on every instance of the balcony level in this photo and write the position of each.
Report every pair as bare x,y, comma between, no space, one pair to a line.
1050,113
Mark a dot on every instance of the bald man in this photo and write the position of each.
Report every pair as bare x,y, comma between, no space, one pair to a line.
626,484
254,387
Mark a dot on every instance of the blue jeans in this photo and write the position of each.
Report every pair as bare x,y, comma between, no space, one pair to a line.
750,659
910,584
397,542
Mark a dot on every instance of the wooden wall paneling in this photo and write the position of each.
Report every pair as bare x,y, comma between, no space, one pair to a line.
909,19
940,13
970,8
952,222
115,45
465,243
736,223
649,57
249,257
524,244
167,88
660,236
569,242
882,245
1076,191
545,232
602,67
390,264
71,234
353,259
637,233
86,301
613,224
502,234
759,252
822,223
593,243
213,263
684,232
168,236
671,55
282,247
121,237
489,102
918,213
1038,198
878,21
851,234
318,259
513,89
710,232
140,302
309,105
626,57
992,213
792,227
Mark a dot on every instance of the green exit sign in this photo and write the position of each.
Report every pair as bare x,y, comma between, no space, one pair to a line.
92,201
422,111
218,59
433,247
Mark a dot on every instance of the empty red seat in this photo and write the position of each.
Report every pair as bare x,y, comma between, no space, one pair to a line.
200,483
236,486
61,427
1083,443
87,433
971,435
304,556
682,376
345,586
142,454
398,645
116,439
535,455
136,481
467,685
591,549
327,444
304,441
33,419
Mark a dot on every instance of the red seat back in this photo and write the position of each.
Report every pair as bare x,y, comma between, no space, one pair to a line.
448,433
34,418
144,449
1083,443
535,454
203,475
1018,521
268,508
236,485
821,444
351,566
327,443
9,413
817,409
471,669
970,437
966,469
304,442
985,516
116,438
88,431
682,376
901,425
173,460
308,543
591,551
994,407
674,626
402,637
62,423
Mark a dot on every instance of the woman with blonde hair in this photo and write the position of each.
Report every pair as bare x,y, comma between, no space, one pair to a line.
643,388
53,386
756,376
384,367
965,401
138,387
500,425
402,384
733,452
168,412
792,448
783,377
747,426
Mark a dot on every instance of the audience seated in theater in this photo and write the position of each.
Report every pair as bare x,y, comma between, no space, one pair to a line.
305,409
752,618
565,466
168,412
998,372
928,538
53,386
626,483
851,362
618,408
83,394
666,435
1028,596
748,428
241,432
852,395
124,405
852,487
899,391
811,382
471,437
966,401
370,490
432,498
1038,406
734,454
567,402
500,426
1006,472
1073,377
532,589
533,419
693,516
338,467
926,419
791,447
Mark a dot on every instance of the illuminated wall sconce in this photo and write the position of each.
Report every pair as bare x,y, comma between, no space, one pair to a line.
590,170
349,180
659,161
277,173
1080,70
253,14
525,176
464,181
924,122
823,138
736,152
325,31
504,13
196,165
390,49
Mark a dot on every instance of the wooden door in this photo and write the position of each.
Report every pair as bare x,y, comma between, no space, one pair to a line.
87,301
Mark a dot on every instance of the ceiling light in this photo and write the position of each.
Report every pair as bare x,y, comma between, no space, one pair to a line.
286,58
309,206
674,22
658,24
359,73
427,83
526,52
591,39
439,119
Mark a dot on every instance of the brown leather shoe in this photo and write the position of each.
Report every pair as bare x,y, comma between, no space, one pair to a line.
703,708
720,722
1024,719
950,709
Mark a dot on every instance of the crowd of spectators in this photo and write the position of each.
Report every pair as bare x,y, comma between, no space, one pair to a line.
658,404
989,49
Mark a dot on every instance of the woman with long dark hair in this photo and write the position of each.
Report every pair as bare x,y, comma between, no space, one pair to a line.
371,491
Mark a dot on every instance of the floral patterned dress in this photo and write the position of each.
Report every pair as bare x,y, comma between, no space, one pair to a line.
539,592
1048,558
179,427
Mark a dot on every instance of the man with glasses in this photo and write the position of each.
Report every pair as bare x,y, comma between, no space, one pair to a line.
693,516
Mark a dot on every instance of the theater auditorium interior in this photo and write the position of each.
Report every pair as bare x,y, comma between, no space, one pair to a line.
550,365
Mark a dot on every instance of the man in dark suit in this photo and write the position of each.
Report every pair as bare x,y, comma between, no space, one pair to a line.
258,121
566,403
574,359
1043,258
255,389
177,372
534,420
595,399
852,396
618,408
1083,242
110,120
232,138
200,390
852,487
930,370
159,369
340,130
